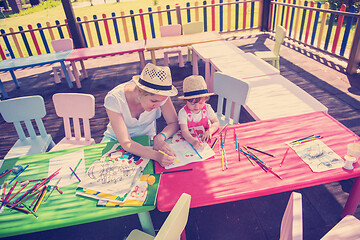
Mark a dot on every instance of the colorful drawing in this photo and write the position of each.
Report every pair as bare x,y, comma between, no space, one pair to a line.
318,155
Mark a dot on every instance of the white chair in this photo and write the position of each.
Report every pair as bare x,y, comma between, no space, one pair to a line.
75,106
170,31
58,46
291,224
174,224
273,56
235,92
347,229
192,28
28,110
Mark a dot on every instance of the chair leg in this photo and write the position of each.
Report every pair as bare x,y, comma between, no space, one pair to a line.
181,60
277,64
56,76
189,58
62,73
71,75
166,59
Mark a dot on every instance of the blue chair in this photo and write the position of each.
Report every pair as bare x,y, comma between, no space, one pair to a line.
26,109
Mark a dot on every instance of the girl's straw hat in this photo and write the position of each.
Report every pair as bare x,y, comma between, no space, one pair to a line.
156,79
194,86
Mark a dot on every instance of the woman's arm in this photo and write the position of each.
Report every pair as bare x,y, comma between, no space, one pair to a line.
172,127
122,135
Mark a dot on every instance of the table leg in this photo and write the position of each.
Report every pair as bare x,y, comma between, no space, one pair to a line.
195,63
83,69
353,199
207,73
66,74
153,58
212,71
4,93
76,74
142,59
14,78
146,223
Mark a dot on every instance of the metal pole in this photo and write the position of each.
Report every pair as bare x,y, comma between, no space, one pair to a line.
73,25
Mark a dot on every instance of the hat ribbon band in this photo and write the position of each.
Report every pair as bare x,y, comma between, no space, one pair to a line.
197,92
155,86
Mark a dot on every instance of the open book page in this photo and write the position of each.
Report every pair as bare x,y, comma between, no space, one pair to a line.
317,155
185,154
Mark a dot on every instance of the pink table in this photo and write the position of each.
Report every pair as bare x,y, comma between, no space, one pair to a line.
102,51
208,184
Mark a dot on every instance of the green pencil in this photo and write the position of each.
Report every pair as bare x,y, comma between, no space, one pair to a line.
76,167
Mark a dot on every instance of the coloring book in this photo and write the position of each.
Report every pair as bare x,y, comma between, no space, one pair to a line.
317,155
185,154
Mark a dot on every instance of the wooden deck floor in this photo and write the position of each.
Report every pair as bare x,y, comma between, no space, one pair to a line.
257,218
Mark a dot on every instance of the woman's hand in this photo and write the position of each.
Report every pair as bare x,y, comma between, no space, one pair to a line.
205,138
160,144
166,160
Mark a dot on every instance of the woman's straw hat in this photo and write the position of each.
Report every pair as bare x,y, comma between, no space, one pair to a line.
156,79
194,86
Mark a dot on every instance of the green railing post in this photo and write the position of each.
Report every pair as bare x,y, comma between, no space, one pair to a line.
265,14
354,56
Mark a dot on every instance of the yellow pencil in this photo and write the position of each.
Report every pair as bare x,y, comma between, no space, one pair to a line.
168,155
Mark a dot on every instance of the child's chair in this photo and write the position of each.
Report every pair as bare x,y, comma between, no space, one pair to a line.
174,224
347,228
26,109
169,31
58,46
291,224
235,92
75,106
273,56
191,28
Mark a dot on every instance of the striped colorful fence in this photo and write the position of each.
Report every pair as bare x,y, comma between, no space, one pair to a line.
229,16
321,26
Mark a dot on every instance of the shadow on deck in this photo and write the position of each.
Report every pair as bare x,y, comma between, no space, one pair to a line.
259,218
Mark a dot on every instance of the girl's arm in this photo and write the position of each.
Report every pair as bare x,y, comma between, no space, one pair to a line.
212,129
122,135
188,137
172,127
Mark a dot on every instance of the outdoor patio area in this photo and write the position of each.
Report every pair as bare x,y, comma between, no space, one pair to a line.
258,218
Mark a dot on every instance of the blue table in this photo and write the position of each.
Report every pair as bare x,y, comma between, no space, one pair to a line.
16,63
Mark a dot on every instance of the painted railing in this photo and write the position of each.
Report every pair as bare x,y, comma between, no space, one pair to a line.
321,27
231,16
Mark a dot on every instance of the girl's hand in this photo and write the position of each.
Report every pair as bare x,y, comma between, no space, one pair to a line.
207,135
166,160
197,145
160,144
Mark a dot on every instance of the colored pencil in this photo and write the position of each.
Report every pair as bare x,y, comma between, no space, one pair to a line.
18,192
37,204
168,156
33,180
226,165
236,144
75,174
59,190
261,151
195,150
282,161
175,171
19,173
13,206
38,194
301,138
225,136
251,161
224,127
76,166
222,160
212,146
222,143
9,193
197,136
306,140
237,147
52,189
3,196
33,213
5,173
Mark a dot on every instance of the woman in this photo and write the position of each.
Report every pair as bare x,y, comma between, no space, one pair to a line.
133,108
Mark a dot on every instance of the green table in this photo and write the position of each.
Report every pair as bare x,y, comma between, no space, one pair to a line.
67,209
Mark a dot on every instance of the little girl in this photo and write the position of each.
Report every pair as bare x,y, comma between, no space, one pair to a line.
196,114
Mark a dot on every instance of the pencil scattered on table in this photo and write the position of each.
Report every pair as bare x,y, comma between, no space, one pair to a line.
225,136
224,127
237,148
76,166
282,161
176,171
306,139
75,174
225,159
5,173
21,171
260,151
212,146
222,160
